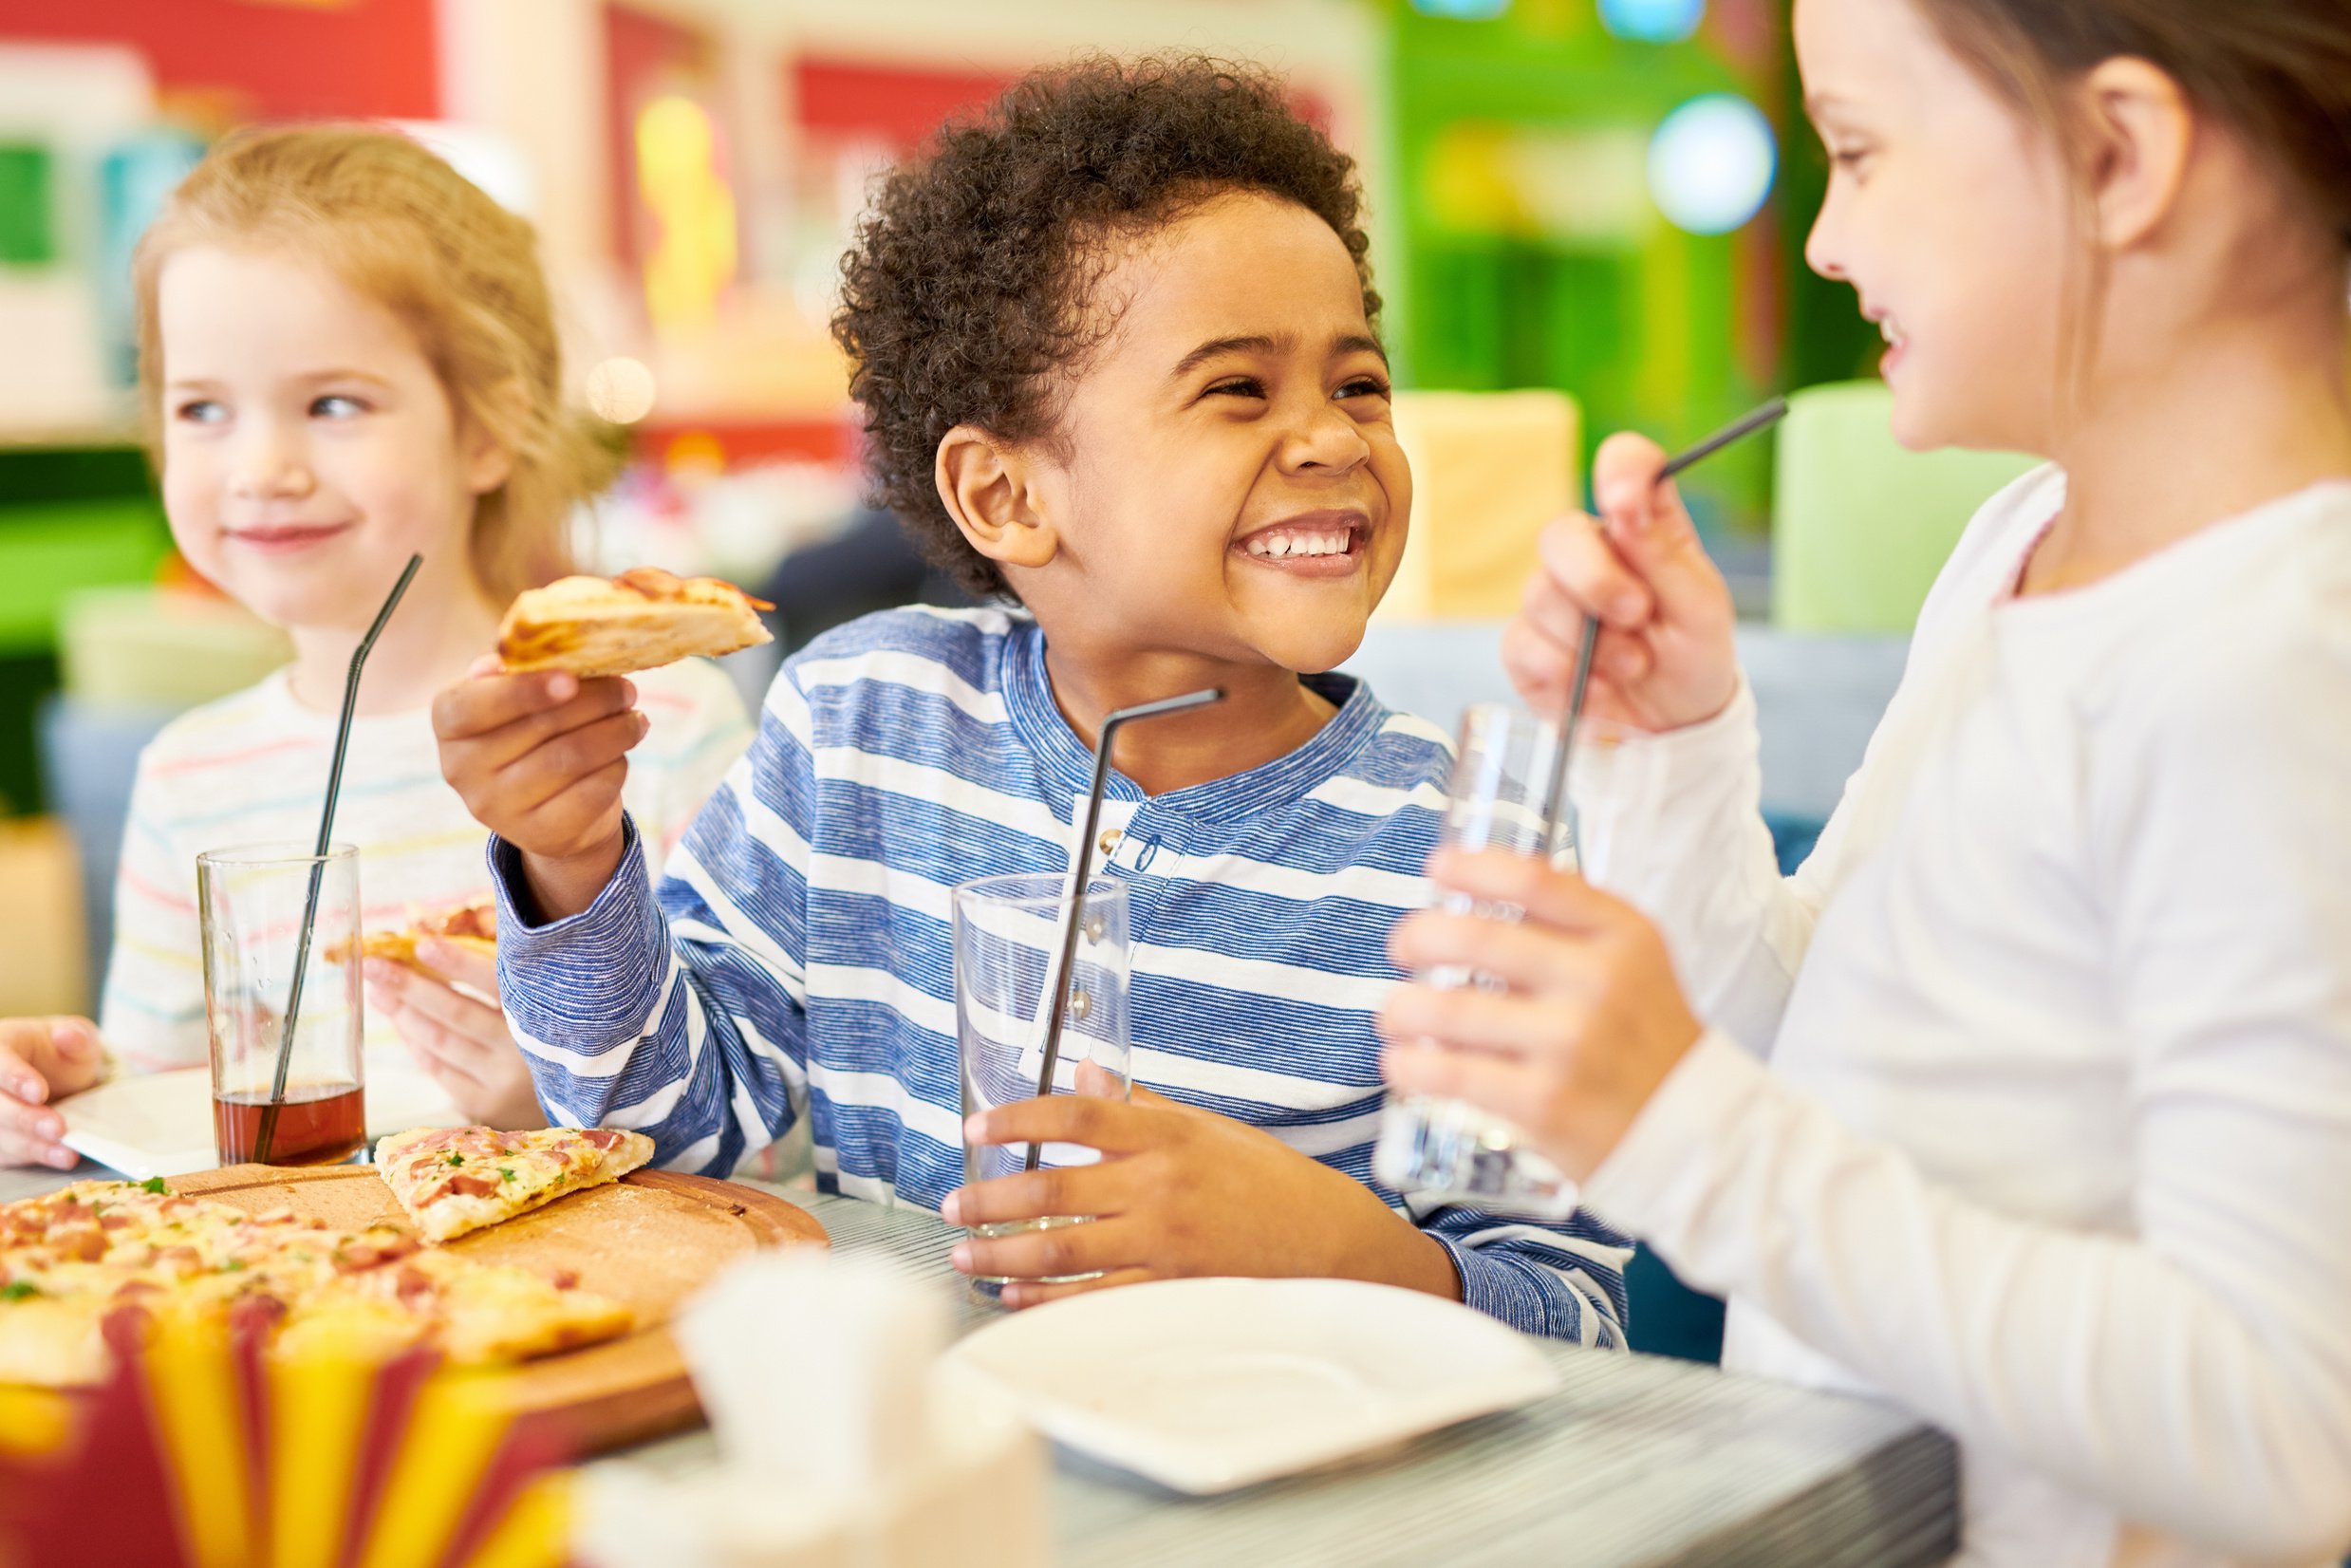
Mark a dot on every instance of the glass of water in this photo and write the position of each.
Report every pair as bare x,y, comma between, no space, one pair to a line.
1448,1150
1008,948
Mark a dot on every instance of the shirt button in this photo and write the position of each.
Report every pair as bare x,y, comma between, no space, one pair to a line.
1109,840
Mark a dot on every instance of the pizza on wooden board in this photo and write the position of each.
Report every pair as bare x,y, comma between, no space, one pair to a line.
95,1265
471,927
639,619
454,1179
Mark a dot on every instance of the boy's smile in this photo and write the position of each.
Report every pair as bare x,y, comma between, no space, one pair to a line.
1327,543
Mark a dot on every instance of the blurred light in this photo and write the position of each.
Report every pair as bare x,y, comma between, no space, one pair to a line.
1462,10
621,391
678,174
1652,21
1711,163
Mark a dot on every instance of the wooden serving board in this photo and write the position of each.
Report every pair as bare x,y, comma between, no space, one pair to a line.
651,1239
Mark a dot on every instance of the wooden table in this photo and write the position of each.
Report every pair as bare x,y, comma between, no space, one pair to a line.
1636,1462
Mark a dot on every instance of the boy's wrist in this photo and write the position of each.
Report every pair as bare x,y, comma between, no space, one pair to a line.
560,886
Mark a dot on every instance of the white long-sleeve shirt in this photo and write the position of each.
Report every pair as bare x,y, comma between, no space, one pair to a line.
2054,1144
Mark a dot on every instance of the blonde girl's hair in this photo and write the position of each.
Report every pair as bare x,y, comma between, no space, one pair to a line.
396,224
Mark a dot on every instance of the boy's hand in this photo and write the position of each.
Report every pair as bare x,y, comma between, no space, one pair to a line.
1178,1192
1665,657
1592,1023
539,761
461,1040
43,1059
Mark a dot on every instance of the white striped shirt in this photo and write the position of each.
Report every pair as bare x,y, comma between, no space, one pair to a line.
251,768
797,962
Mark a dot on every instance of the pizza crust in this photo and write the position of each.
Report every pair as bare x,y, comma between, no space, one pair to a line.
641,619
473,928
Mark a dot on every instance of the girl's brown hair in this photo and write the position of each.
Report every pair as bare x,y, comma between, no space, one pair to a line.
2277,72
399,225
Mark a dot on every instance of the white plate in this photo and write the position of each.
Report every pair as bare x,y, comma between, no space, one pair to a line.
161,1124
1206,1385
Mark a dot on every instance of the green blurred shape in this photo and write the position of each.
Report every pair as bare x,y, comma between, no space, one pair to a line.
27,238
1860,526
51,548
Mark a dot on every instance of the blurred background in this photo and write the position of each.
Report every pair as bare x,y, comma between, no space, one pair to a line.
1588,214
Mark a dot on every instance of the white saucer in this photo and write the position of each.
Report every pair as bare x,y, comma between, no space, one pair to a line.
161,1124
1208,1385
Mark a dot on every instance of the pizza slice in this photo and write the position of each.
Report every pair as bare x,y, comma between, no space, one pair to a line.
454,1179
471,927
641,619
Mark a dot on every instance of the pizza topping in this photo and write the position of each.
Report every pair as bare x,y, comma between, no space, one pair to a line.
256,1311
468,1186
565,1278
154,1184
355,1257
18,1290
414,1285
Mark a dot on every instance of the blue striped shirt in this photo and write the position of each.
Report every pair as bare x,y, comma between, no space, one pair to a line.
796,960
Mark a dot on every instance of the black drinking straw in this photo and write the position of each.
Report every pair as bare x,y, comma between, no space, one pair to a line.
1081,876
268,1132
1554,799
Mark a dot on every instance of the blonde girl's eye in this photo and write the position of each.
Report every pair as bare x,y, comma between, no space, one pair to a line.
200,411
336,405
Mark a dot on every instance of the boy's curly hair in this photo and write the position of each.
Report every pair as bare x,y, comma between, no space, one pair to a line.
970,283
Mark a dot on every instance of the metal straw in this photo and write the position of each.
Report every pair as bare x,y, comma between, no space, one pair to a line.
267,1131
1554,799
1058,979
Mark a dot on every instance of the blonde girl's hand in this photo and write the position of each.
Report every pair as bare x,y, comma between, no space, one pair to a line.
1591,1023
1665,657
458,1038
539,761
42,1060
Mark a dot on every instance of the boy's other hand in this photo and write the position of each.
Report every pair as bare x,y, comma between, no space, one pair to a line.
455,1035
1665,657
1178,1192
41,1060
539,761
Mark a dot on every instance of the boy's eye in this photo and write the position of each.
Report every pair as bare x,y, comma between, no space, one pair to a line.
1363,386
335,405
1238,386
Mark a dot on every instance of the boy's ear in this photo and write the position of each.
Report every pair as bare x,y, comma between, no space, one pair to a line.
989,488
2140,133
488,461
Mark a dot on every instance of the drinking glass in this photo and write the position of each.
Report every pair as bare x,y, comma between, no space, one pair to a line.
252,899
1008,944
1446,1149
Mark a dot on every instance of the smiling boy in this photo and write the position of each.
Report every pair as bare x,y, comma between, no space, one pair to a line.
1116,351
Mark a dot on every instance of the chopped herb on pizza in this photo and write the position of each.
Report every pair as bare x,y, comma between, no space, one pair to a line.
456,1179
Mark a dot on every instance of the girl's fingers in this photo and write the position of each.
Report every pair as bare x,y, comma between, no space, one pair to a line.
1549,896
1022,1294
459,1014
1582,575
465,965
1501,1085
1524,1027
1530,960
37,1126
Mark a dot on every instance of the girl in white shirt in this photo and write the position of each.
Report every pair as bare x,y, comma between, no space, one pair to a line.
2054,1142
348,355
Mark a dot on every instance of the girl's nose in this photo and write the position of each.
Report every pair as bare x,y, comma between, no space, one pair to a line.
1821,248
270,468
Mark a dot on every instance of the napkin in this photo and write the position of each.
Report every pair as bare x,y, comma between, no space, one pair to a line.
842,1439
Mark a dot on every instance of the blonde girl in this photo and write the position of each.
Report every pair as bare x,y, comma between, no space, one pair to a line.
2027,1100
348,355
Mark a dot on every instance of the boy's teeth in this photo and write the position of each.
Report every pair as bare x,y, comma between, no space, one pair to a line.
1280,546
